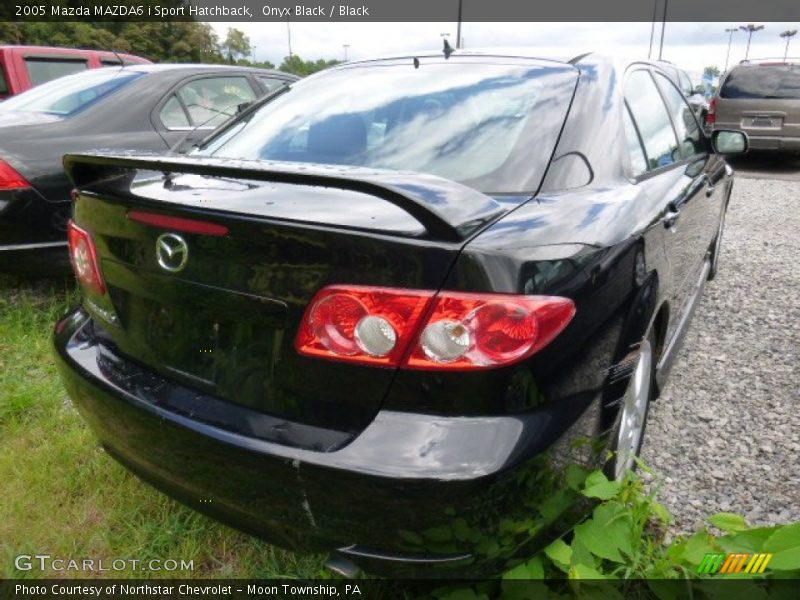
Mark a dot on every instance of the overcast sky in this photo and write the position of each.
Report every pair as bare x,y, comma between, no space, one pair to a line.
692,45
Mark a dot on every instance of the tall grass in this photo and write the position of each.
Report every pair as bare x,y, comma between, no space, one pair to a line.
61,495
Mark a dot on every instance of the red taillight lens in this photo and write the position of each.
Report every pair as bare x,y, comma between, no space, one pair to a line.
417,330
711,116
368,325
10,179
178,223
83,256
474,331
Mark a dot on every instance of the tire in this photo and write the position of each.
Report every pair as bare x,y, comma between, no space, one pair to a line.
634,406
716,248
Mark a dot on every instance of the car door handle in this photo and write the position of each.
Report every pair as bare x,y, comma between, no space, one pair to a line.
710,187
671,217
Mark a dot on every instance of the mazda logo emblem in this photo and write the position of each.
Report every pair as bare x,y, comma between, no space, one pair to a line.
172,252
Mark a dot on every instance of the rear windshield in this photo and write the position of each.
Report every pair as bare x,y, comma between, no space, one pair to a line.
760,81
42,70
70,94
490,126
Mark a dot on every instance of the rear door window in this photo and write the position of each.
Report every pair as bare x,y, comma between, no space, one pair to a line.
638,157
686,83
652,120
686,127
213,100
42,70
173,116
271,83
762,81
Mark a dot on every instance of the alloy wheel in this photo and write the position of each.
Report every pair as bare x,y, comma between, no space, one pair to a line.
634,412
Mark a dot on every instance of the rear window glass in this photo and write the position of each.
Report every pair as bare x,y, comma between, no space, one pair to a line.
42,70
72,93
489,126
758,81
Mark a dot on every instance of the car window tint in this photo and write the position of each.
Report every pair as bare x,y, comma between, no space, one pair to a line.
689,136
651,117
172,115
213,100
638,158
271,83
41,70
489,126
762,81
72,93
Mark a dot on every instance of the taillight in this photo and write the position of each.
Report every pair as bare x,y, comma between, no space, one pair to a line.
473,331
83,256
419,330
368,325
711,115
10,178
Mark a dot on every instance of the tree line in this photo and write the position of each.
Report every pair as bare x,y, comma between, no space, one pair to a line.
170,41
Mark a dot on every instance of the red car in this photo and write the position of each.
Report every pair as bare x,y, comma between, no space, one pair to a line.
24,67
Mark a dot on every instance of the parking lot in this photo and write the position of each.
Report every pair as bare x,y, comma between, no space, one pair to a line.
725,435
768,166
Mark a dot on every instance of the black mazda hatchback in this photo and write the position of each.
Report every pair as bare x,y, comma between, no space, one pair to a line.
398,311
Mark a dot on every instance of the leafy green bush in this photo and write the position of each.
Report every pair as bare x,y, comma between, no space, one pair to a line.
625,538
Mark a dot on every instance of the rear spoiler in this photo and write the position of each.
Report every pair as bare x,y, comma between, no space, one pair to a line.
448,210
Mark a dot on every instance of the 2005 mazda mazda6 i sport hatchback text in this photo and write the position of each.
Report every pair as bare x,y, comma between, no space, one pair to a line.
397,311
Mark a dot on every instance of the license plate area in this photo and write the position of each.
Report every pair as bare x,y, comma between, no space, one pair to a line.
220,341
762,122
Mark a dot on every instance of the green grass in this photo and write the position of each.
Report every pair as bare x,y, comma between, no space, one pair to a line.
60,494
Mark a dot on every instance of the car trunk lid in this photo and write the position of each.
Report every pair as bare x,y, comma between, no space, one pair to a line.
224,322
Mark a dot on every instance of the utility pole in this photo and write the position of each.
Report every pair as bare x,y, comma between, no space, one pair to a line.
663,27
345,46
750,29
289,35
730,31
458,30
788,34
652,29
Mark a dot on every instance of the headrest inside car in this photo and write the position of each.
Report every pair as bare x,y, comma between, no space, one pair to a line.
340,135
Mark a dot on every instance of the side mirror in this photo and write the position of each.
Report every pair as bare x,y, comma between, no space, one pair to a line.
729,142
699,89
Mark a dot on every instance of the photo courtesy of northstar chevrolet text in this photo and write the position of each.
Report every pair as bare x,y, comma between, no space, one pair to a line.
399,301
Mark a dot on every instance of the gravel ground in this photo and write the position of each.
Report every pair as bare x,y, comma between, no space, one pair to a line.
725,434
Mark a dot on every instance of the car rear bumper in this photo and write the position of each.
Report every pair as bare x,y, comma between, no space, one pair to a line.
411,494
33,237
774,143
767,143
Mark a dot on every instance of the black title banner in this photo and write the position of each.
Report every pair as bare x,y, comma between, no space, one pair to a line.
387,589
405,10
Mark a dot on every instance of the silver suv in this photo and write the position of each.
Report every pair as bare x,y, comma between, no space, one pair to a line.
763,100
